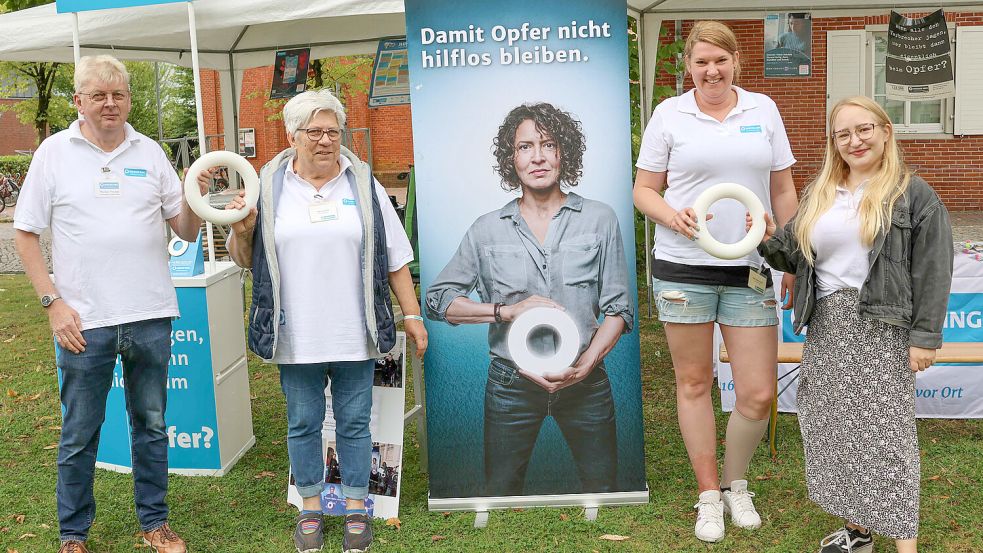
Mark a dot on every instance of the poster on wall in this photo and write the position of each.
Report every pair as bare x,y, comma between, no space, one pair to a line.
390,84
386,427
919,58
523,159
788,44
290,72
247,142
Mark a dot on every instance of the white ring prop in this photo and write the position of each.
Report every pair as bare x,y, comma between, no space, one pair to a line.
177,247
751,202
561,323
199,204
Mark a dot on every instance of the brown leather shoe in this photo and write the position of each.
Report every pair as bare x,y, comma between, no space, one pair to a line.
73,546
164,540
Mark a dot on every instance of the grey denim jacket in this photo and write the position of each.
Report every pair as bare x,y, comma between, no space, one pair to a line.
910,268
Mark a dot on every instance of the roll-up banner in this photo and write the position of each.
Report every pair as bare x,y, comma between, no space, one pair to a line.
512,101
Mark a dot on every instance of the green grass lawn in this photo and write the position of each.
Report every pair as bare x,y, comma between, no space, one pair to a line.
246,510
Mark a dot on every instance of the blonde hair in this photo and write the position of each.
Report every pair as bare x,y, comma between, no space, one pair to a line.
717,34
880,192
100,68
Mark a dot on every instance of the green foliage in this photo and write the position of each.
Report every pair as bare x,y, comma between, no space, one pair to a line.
342,75
14,164
245,510
180,118
51,108
668,60
15,5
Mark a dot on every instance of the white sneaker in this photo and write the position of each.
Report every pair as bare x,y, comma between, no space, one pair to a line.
737,501
710,516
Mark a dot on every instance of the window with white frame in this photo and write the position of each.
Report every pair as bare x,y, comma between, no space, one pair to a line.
908,116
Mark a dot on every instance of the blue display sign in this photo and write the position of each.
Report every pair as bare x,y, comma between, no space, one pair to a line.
187,258
67,6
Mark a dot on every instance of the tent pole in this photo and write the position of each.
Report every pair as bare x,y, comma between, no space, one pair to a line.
76,50
160,115
202,144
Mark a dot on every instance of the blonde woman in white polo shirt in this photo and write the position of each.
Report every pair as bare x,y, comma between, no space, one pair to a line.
873,287
715,133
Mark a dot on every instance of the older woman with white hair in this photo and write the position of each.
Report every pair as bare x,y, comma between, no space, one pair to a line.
325,246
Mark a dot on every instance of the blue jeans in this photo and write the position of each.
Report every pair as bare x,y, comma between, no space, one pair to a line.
145,349
515,408
351,401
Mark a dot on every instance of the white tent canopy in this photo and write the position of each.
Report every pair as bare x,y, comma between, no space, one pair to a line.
236,35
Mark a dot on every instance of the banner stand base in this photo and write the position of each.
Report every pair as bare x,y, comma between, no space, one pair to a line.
591,502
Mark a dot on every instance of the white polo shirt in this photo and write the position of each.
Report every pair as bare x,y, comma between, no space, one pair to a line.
106,211
320,269
697,152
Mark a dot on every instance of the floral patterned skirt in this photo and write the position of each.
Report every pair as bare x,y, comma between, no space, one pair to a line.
856,402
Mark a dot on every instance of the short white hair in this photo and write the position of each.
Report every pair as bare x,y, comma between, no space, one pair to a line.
103,68
305,106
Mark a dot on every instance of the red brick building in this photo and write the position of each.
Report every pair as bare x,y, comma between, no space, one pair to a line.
389,126
14,135
847,59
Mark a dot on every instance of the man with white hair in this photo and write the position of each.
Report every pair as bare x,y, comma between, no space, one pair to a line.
105,192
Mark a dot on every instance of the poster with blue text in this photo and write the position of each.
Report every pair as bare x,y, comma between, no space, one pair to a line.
522,152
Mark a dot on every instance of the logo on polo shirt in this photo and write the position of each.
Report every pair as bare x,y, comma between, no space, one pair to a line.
750,128
134,172
348,201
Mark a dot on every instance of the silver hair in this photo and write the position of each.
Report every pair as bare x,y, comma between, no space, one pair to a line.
305,106
100,68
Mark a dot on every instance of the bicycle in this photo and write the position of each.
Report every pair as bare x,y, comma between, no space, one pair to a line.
9,191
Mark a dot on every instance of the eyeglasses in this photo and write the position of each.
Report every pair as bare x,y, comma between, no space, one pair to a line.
316,134
863,132
100,96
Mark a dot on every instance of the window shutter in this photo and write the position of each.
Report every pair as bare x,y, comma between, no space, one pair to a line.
969,80
846,65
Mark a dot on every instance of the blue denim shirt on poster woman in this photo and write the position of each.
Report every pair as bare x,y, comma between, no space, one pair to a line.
581,266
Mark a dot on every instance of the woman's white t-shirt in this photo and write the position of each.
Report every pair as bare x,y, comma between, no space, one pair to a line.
320,269
697,151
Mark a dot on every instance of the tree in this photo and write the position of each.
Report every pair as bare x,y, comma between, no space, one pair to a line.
50,108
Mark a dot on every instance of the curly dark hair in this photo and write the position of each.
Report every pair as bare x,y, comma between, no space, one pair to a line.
550,121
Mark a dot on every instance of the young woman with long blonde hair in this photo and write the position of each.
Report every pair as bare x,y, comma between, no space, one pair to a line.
872,285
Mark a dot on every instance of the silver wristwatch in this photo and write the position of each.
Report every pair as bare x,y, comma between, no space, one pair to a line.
48,299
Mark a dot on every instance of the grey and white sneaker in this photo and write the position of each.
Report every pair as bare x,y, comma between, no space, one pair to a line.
309,532
847,540
358,533
710,516
737,501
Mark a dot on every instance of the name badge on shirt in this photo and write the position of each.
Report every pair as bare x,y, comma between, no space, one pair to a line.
108,186
322,212
756,280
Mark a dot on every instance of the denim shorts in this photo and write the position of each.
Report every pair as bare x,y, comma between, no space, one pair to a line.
679,302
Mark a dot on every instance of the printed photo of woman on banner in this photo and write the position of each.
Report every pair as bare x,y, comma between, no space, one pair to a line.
522,156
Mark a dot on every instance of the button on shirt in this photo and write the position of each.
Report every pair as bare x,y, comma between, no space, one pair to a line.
842,260
581,266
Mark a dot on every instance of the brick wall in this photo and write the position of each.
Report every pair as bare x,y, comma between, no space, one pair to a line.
392,137
15,135
954,167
